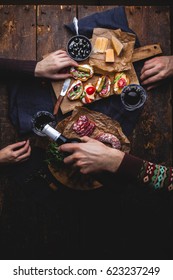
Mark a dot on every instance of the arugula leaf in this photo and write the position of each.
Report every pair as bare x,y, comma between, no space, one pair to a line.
118,77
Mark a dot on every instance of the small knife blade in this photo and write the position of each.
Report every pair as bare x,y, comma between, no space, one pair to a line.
61,96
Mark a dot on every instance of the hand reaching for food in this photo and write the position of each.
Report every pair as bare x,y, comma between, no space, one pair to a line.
53,66
156,70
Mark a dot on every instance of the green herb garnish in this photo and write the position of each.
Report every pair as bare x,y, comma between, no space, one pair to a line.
54,156
118,77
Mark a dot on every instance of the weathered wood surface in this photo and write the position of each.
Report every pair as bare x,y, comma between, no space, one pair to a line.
51,33
151,26
18,31
68,224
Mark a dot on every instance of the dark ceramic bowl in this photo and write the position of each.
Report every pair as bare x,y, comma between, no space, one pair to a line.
133,97
79,47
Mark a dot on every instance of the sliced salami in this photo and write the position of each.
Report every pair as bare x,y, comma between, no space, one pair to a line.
89,130
110,139
84,126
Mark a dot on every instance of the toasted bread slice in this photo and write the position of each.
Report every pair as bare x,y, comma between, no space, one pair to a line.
120,81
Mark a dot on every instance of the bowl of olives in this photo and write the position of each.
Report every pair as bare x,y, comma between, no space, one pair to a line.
79,47
133,97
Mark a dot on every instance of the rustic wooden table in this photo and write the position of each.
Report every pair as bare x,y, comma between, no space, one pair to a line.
29,32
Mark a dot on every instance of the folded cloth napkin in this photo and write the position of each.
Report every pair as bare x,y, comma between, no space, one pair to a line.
28,97
112,19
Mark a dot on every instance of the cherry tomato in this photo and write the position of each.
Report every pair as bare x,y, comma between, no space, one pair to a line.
87,100
90,90
121,83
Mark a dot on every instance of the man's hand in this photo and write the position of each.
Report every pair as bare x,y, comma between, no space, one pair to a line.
54,66
14,153
92,156
156,70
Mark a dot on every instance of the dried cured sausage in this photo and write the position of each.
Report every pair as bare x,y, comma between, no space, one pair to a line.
109,139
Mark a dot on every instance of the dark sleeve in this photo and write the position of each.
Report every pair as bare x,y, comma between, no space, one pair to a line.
153,175
12,68
130,167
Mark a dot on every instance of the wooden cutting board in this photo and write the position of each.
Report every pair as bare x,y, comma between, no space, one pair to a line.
138,54
146,52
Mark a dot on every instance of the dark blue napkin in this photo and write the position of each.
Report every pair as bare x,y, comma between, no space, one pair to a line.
27,97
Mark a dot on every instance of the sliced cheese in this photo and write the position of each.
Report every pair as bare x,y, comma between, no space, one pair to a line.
100,45
118,46
109,55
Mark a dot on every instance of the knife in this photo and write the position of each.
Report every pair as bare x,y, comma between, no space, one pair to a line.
61,96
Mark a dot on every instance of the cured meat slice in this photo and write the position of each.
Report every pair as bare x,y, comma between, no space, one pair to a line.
80,122
84,126
110,139
89,130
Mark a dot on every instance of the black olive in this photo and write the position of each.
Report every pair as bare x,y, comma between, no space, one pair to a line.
76,40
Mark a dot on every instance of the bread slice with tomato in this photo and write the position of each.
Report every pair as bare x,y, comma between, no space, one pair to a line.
89,94
120,81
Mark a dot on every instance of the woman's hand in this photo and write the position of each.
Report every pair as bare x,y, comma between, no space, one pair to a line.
92,156
156,70
55,65
14,153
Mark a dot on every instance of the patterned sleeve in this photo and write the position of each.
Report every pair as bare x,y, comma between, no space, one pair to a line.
156,176
153,175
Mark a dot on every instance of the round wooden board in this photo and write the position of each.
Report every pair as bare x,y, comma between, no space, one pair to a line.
73,179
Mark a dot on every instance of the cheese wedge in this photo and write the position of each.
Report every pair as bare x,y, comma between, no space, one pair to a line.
109,55
118,46
100,45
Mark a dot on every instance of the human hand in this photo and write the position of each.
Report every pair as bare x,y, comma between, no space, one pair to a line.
156,70
92,156
14,153
53,64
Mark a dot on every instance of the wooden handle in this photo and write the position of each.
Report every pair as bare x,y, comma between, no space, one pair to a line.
57,104
146,52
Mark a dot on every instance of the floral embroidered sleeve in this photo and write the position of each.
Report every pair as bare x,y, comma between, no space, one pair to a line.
154,175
